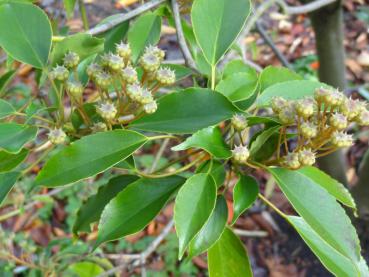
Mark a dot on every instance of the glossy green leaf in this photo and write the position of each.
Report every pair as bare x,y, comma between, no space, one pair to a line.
69,7
9,161
193,206
115,35
89,156
289,90
237,66
85,269
5,109
91,210
335,188
14,136
216,25
320,210
83,44
129,164
27,35
228,257
254,120
209,139
245,193
238,86
5,79
7,181
212,230
258,144
334,261
143,32
217,171
187,111
134,207
272,75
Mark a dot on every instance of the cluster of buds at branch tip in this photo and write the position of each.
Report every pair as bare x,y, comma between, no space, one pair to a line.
240,154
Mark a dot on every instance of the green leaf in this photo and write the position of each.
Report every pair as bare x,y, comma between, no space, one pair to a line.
5,79
89,156
289,90
237,66
91,210
187,111
115,35
228,257
272,75
27,35
320,210
212,230
258,144
193,206
180,71
7,181
129,164
14,136
209,139
83,44
334,261
85,269
9,161
245,193
5,109
255,120
217,171
134,207
69,7
335,188
144,31
238,86
216,25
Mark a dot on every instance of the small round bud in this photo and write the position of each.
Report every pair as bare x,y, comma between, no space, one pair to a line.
291,160
71,60
363,118
115,63
93,69
338,121
146,97
151,107
99,127
351,108
287,115
155,51
129,74
103,79
308,130
107,111
240,154
57,136
341,139
321,94
165,76
239,122
104,59
150,62
306,157
305,107
278,103
124,50
75,89
60,73
333,98
134,92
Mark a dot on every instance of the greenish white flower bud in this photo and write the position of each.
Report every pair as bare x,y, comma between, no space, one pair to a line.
155,51
363,118
57,136
291,160
287,115
93,69
60,73
134,92
351,108
338,121
240,154
75,89
239,122
104,59
151,107
71,60
308,130
124,50
165,76
103,79
334,98
129,75
341,139
107,111
150,62
146,97
306,157
321,94
99,127
115,63
305,107
278,103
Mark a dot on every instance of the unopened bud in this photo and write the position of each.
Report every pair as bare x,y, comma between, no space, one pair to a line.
75,89
107,111
93,69
291,160
363,118
165,76
57,136
129,74
341,139
103,79
134,92
60,73
146,97
352,108
99,127
305,107
287,115
155,51
321,94
306,157
151,107
150,62
278,103
124,50
115,63
308,130
71,60
338,121
239,122
240,154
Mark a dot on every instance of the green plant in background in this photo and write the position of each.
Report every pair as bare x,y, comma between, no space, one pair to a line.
101,132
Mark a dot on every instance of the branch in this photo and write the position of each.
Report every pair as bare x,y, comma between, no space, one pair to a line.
124,17
180,36
307,8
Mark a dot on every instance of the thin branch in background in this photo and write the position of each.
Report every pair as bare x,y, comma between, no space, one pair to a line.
180,36
159,155
307,8
82,10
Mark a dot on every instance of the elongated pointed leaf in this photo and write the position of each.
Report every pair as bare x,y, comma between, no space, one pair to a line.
334,261
258,144
133,208
245,193
228,257
331,185
217,171
7,181
212,230
320,210
216,24
25,33
187,111
9,161
210,139
91,210
5,109
193,206
89,156
272,75
5,79
14,136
